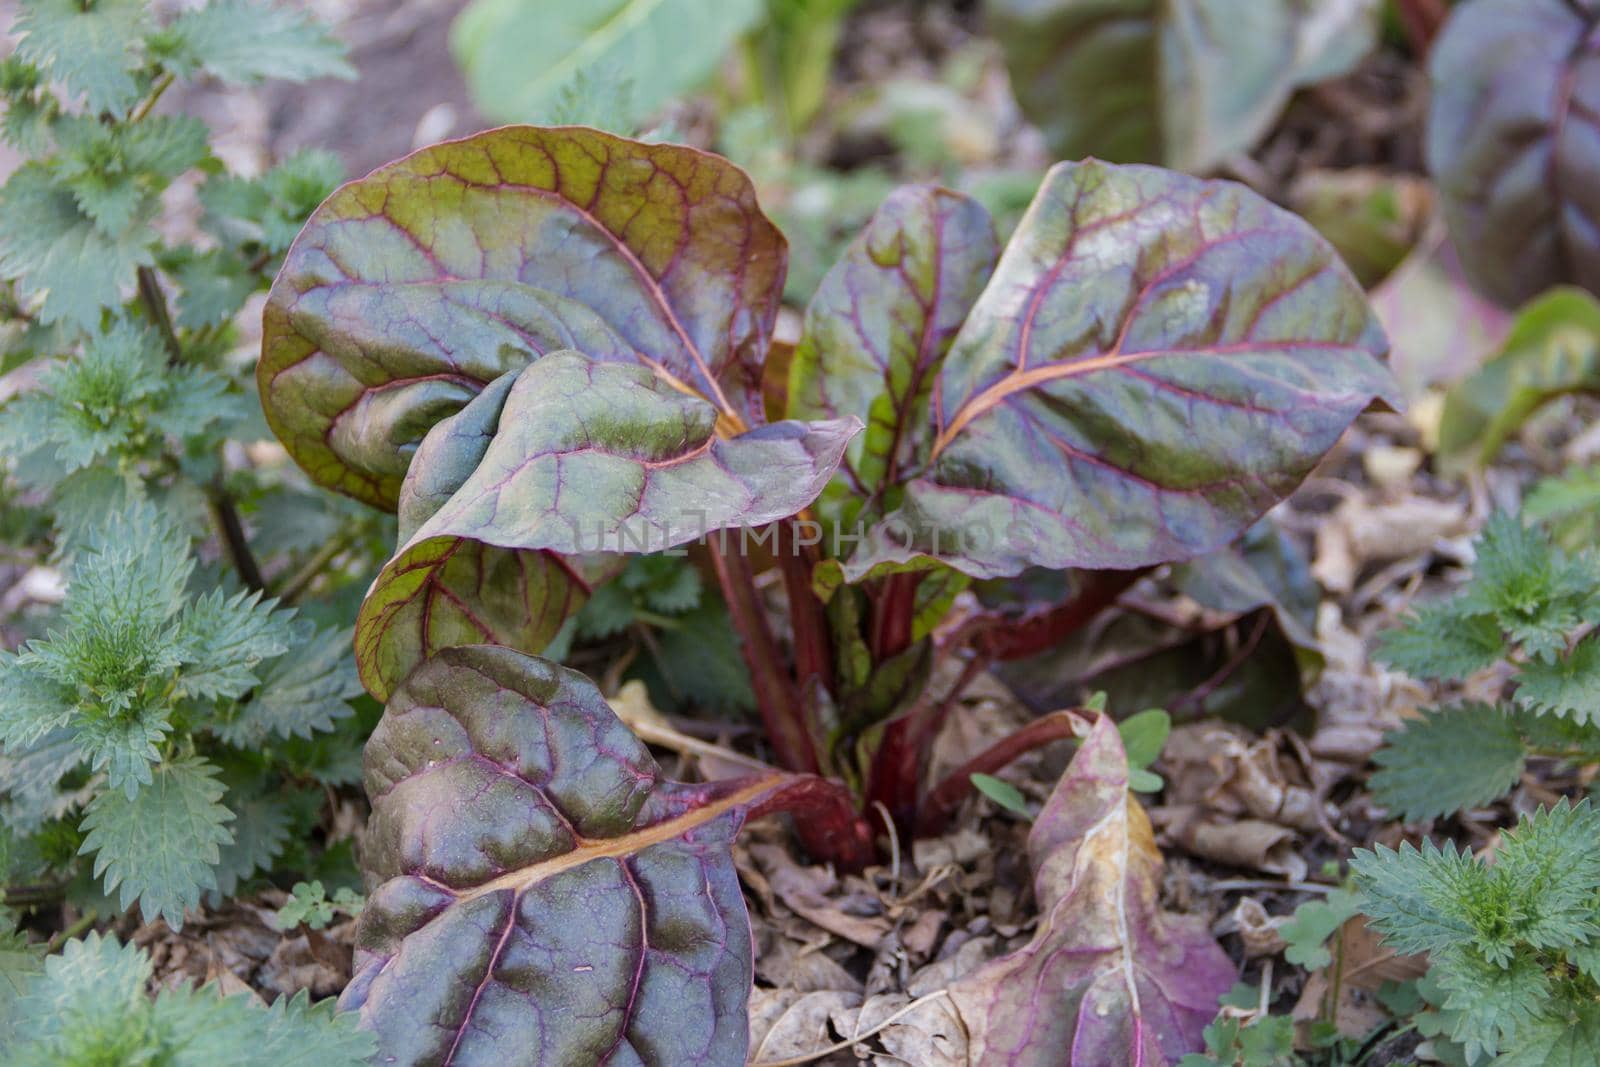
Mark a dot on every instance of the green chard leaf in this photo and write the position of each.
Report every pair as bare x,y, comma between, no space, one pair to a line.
413,288
1511,143
878,329
1188,83
590,902
520,61
161,845
654,476
1134,312
1553,350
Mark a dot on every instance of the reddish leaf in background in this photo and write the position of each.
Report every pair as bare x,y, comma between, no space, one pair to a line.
541,894
1109,978
412,288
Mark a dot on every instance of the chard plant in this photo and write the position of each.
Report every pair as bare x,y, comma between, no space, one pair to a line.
547,349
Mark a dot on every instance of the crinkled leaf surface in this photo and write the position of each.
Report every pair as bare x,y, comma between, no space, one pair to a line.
1108,977
1156,362
878,329
539,891
1184,82
1514,143
585,457
412,288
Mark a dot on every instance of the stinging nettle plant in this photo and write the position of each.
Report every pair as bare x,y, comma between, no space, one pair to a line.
546,348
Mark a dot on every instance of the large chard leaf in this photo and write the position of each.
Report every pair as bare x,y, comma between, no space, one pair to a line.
883,319
539,891
411,289
550,467
1108,977
1156,362
1182,82
1514,143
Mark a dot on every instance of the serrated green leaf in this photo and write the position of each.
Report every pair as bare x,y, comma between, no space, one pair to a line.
300,693
31,704
1567,685
1536,592
161,846
260,829
212,287
1447,761
89,1009
1440,641
244,42
116,171
609,611
55,252
88,47
224,639
1557,1041
1401,893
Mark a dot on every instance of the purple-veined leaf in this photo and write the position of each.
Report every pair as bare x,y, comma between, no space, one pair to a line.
1108,978
507,504
1156,362
1514,143
1187,83
880,324
540,894
412,288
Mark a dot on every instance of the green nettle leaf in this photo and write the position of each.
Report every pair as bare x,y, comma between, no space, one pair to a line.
302,693
87,46
520,60
54,251
1512,143
225,638
584,457
1182,82
1553,350
413,288
244,42
1441,641
1567,685
161,845
115,171
260,829
89,1008
539,885
878,329
270,210
1447,761
1156,362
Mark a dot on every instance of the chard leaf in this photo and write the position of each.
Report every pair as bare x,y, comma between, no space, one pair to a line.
570,458
878,329
1156,362
537,884
523,61
1553,350
411,289
1182,82
1512,143
1108,976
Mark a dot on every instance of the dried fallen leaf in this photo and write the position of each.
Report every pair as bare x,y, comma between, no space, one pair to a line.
1109,978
